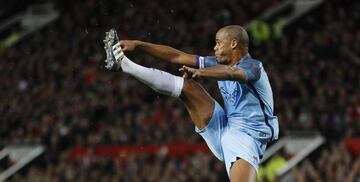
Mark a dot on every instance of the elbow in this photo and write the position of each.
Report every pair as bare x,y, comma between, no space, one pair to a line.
231,73
234,73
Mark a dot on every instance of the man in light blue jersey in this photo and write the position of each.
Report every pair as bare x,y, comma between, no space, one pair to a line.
236,134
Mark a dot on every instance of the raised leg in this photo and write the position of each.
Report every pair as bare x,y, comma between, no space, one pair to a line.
198,103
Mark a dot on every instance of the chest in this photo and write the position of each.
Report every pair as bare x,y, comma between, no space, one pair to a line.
231,91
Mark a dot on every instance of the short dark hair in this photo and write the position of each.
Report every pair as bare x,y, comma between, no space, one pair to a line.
239,33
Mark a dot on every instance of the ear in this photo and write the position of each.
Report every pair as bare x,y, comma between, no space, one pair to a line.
234,43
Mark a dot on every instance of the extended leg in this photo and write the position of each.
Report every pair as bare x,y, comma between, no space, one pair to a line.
197,101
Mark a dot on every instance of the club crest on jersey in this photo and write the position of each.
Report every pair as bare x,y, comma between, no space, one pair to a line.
230,97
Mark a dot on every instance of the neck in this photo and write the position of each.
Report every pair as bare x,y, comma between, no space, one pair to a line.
236,56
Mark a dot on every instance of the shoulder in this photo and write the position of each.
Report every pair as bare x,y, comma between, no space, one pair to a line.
250,64
250,61
252,69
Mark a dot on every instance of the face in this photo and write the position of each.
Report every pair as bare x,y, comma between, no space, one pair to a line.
222,47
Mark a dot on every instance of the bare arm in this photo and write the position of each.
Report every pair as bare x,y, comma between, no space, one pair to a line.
219,72
163,52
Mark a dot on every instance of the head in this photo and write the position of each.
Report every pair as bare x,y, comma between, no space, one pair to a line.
231,44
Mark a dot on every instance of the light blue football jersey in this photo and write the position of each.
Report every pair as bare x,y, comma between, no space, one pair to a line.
248,105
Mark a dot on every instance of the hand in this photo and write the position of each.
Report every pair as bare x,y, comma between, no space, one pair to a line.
190,72
128,45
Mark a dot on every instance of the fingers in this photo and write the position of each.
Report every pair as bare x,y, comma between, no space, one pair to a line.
185,69
196,74
126,45
193,72
185,75
189,72
123,45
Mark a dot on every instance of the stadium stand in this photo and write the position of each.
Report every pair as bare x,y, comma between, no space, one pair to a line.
55,91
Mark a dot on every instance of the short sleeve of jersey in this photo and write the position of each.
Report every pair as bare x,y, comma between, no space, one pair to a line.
252,69
204,62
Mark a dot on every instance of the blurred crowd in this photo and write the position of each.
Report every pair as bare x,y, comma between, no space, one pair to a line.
55,91
335,164
8,9
195,167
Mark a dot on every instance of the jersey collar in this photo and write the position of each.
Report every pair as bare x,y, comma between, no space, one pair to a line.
247,56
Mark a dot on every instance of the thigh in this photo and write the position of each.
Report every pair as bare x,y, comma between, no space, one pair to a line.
198,102
241,170
214,130
239,145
